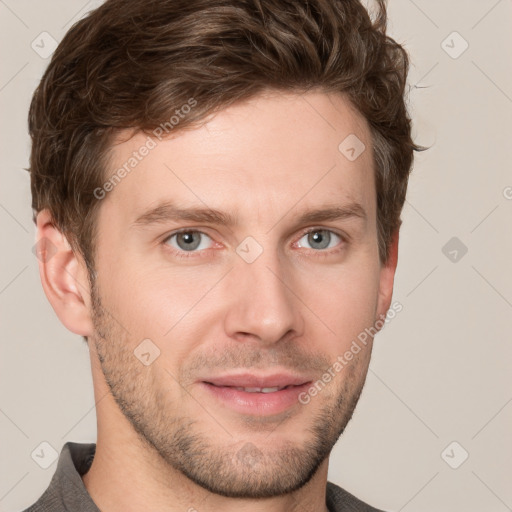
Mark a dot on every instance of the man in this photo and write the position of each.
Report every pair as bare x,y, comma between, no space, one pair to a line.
217,187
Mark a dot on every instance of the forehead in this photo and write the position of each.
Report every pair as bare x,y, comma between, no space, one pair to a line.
261,157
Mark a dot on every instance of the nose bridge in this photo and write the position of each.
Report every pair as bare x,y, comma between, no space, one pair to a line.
262,302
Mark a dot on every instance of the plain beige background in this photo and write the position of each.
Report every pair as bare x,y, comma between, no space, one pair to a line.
441,369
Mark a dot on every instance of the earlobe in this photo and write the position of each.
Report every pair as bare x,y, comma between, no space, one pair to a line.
63,277
387,277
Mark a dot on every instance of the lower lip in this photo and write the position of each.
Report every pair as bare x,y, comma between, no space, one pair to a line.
257,404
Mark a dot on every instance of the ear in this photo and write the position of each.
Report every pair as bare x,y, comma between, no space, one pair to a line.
63,276
387,278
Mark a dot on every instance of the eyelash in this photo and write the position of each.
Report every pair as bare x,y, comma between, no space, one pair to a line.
201,253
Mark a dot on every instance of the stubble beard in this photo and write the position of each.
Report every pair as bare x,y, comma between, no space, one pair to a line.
234,469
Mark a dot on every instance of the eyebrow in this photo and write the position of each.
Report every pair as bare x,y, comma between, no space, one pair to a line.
168,211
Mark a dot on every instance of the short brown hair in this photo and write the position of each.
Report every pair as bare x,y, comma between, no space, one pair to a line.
132,63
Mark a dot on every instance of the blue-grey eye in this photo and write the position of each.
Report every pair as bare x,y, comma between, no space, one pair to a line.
321,239
188,240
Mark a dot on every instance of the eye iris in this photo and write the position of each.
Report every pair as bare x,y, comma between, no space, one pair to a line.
188,238
320,237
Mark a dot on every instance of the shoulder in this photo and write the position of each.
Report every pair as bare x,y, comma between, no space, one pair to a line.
339,500
66,491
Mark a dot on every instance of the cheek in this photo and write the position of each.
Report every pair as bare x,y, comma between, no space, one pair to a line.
157,301
131,294
344,299
151,299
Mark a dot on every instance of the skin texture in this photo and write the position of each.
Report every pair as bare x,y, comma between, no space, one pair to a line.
164,443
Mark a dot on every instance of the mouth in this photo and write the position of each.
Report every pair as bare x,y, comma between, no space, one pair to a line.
249,381
256,395
256,390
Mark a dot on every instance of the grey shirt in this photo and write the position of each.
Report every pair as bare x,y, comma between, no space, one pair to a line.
67,492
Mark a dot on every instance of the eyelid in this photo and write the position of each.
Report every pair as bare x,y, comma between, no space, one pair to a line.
166,237
194,254
308,230
344,239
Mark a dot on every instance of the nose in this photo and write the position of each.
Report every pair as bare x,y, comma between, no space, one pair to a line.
263,304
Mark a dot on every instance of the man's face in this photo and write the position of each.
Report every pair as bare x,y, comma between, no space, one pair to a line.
268,301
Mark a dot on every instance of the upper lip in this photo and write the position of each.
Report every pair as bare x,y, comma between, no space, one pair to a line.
249,380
